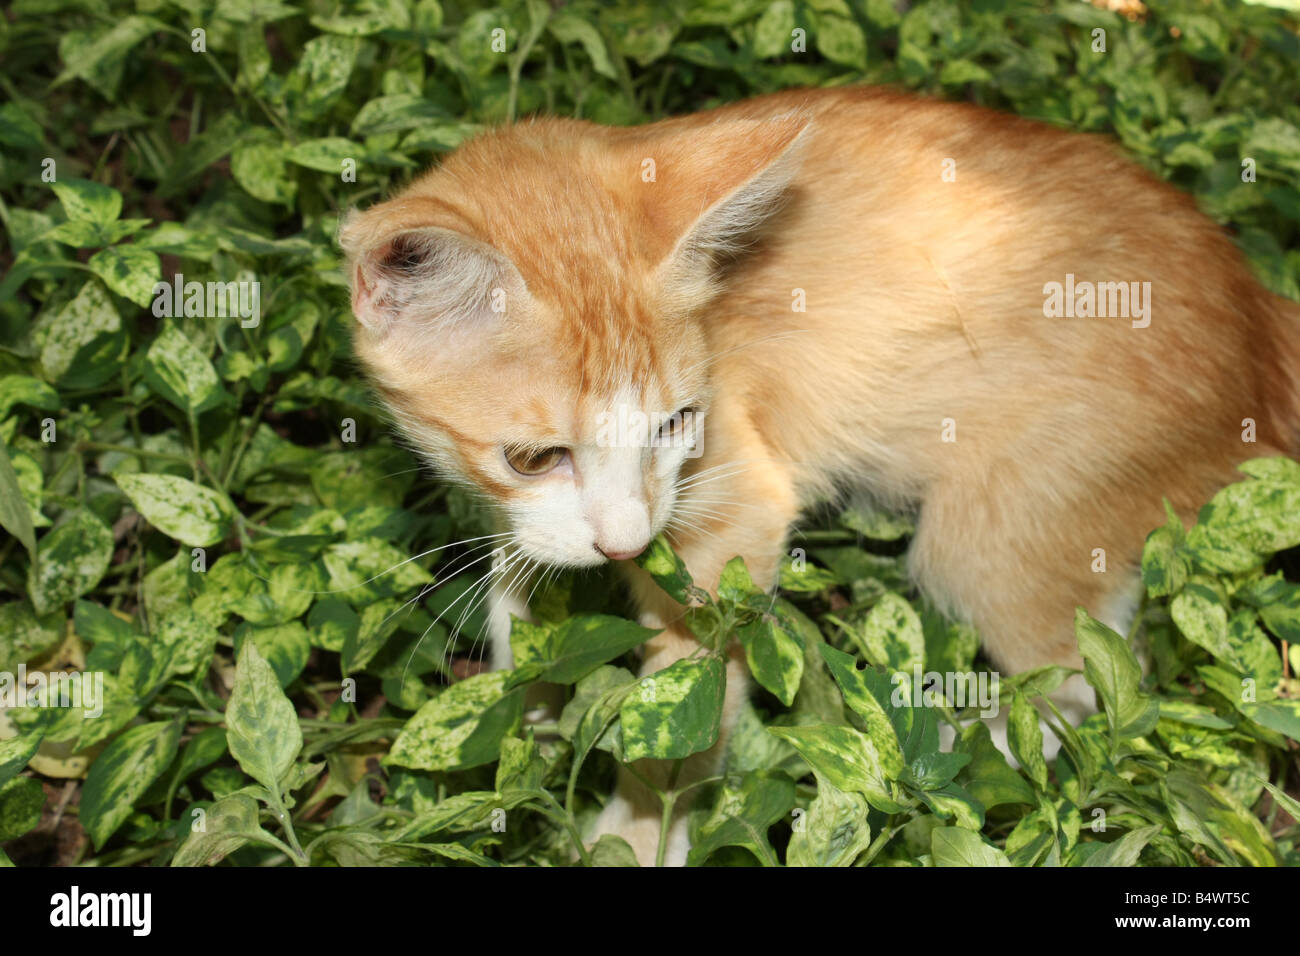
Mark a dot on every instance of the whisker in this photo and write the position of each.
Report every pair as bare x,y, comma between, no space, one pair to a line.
399,564
442,664
441,580
526,566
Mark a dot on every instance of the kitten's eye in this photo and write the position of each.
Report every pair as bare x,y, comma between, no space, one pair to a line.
676,422
532,463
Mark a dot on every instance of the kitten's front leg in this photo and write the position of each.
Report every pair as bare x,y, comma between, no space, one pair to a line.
635,812
755,527
508,598
504,601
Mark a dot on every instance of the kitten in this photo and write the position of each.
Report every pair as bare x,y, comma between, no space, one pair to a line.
1011,330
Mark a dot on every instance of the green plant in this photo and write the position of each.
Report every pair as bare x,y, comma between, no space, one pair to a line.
210,512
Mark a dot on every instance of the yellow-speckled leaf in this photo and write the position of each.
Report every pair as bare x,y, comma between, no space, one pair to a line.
462,727
675,712
190,513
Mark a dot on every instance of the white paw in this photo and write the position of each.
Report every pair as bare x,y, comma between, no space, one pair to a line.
639,826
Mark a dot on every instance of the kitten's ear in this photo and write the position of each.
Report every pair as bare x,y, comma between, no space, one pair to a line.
718,185
422,276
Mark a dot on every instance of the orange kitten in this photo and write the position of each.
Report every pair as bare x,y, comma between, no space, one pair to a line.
1010,329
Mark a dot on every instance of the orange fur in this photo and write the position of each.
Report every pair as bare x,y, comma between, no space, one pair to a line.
924,303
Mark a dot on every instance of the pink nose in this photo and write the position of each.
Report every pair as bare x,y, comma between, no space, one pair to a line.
620,555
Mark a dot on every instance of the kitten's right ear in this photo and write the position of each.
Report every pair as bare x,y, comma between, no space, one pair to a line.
423,277
714,188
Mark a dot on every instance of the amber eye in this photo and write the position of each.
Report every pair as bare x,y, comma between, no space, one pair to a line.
676,422
530,462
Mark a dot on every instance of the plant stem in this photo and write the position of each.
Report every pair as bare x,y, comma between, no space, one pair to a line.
665,824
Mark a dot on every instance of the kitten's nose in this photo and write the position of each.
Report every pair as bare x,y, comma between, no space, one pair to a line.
620,555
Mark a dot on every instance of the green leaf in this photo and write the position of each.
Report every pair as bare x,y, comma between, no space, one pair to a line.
587,691
262,729
98,56
204,749
321,75
88,201
775,658
26,390
611,850
735,584
460,728
227,825
1289,803
1164,567
1026,739
961,72
284,646
378,623
879,725
21,802
30,478
1113,671
952,803
1125,850
70,561
840,40
332,623
179,372
1282,715
934,770
746,807
15,517
24,635
580,645
388,114
675,712
122,773
1282,616
587,718
1186,712
833,831
1245,522
571,28
668,570
82,345
376,15
82,234
892,637
847,758
15,753
369,568
804,578
131,271
326,155
17,129
1203,620
189,640
521,767
190,513
773,32
955,846
988,777
259,165
875,523
1210,816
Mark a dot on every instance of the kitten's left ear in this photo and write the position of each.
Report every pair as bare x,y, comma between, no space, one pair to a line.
715,186
409,270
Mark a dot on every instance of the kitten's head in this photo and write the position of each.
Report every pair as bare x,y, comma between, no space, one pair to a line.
533,312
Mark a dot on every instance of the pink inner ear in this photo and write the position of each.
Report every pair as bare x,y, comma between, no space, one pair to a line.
363,291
